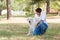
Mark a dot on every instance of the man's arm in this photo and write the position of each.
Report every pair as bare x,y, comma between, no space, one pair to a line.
42,17
38,22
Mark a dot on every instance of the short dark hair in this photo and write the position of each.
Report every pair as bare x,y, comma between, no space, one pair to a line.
38,10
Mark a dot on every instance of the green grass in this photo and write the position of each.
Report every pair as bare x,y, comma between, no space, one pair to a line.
20,30
3,16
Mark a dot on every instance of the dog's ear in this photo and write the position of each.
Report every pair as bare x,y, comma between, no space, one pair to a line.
29,22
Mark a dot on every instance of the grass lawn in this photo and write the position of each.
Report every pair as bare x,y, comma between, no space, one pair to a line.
19,32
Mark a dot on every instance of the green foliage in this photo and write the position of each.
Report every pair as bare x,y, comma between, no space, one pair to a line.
55,4
14,5
2,4
20,4
30,14
36,1
28,8
25,4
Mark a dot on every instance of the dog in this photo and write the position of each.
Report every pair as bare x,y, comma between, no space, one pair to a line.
31,26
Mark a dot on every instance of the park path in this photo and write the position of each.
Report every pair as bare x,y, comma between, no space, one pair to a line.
55,19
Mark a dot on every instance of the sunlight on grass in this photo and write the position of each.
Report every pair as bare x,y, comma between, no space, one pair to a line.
20,30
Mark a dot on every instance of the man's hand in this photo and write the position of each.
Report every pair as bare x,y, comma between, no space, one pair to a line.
37,24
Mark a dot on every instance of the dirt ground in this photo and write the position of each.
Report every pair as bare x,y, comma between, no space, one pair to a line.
54,19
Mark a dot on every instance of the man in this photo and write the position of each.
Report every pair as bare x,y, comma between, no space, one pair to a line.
40,21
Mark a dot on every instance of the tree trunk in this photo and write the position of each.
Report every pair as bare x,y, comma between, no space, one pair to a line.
38,5
0,12
48,6
8,8
0,7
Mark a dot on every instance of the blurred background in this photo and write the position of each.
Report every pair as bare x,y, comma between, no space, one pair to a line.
20,8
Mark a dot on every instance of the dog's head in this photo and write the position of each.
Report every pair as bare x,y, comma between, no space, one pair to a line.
30,20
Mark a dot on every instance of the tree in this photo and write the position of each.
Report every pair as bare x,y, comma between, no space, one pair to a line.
0,8
55,4
32,6
8,2
38,5
48,6
15,5
24,5
43,1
